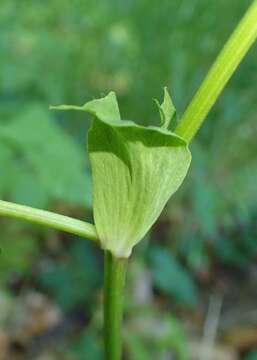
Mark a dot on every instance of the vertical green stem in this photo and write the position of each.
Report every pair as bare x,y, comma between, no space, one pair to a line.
114,282
228,60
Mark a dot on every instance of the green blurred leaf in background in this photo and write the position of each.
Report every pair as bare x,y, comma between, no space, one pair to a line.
171,278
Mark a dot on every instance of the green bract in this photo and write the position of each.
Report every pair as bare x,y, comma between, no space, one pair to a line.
135,170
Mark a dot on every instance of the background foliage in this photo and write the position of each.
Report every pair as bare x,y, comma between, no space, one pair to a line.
59,51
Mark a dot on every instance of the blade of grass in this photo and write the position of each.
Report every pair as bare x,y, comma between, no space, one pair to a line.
50,219
223,68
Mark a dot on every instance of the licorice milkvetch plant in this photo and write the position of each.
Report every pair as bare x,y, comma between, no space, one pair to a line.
136,170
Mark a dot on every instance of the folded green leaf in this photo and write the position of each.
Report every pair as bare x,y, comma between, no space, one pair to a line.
167,111
135,170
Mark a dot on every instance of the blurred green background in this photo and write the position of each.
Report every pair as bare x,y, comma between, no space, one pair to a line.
191,290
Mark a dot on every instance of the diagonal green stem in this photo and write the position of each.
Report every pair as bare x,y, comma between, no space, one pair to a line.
50,219
114,282
227,62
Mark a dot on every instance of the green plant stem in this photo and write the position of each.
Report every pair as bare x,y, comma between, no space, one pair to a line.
114,282
47,218
230,57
